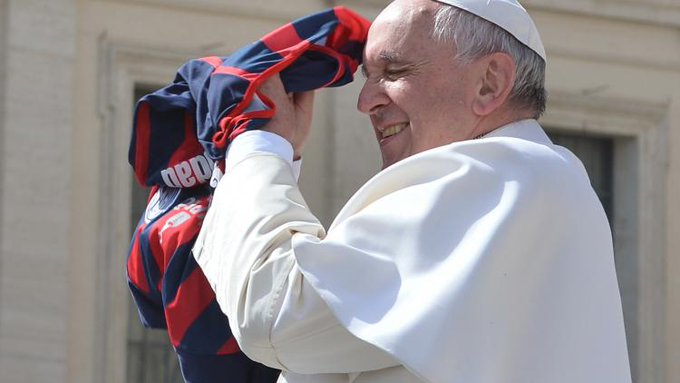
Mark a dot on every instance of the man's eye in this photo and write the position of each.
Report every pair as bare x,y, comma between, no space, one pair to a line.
394,74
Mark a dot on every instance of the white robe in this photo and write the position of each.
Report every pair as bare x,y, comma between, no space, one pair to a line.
485,261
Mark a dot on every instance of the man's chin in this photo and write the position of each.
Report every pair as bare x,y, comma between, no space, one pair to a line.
389,161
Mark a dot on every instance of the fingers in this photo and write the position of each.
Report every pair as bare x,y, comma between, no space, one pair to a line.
293,117
274,90
305,100
304,105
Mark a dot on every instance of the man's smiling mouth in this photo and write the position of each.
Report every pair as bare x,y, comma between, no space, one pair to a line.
394,129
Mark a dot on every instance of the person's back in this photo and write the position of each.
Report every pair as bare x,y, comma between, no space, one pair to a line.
498,257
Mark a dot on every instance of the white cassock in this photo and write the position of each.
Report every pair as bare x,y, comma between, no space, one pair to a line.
484,261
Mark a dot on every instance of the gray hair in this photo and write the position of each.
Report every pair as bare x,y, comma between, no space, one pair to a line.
475,37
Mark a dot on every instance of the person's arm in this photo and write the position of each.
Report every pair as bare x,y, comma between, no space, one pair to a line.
246,253
245,250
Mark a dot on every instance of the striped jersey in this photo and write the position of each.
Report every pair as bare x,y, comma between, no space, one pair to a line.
180,132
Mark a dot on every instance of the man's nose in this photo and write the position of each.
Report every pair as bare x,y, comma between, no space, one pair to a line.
371,97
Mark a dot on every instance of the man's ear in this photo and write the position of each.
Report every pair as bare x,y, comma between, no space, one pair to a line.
497,78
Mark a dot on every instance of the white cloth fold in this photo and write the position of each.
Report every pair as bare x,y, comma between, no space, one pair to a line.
481,261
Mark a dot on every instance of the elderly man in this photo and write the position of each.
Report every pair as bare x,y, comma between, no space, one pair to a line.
479,254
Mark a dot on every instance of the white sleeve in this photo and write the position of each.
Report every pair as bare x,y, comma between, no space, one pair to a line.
245,250
260,141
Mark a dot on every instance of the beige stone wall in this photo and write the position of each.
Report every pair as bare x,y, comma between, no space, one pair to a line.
39,54
671,289
67,73
3,74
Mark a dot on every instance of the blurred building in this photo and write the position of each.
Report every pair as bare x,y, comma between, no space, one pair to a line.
70,72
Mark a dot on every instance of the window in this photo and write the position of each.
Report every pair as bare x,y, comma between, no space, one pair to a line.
597,156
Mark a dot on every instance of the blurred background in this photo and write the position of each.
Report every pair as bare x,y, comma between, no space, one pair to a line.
71,71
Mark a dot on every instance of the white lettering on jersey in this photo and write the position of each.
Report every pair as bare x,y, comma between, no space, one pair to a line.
174,222
170,178
188,208
183,170
188,173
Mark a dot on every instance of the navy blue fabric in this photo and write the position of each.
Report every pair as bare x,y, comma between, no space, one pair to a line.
231,368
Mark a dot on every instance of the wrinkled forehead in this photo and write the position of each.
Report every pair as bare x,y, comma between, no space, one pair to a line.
406,14
402,22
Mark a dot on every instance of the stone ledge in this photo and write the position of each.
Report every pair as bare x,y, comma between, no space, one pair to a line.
659,12
282,10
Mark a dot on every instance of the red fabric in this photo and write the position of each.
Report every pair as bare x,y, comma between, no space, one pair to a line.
143,138
195,291
135,268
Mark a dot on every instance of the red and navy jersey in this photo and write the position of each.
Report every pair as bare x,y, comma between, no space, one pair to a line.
180,130
172,293
179,133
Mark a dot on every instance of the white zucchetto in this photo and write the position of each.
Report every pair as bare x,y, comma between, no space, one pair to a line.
507,14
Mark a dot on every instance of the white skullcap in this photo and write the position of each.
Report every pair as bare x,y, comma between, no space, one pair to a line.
507,14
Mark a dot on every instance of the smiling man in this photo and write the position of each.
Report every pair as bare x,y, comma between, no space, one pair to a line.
414,93
479,254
